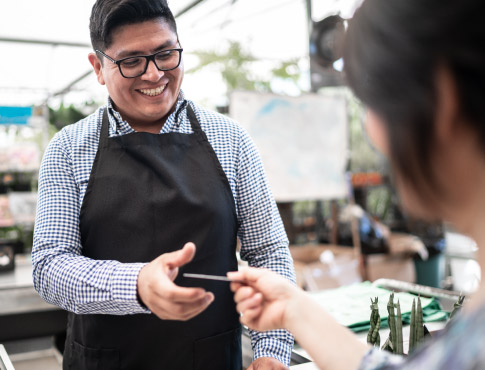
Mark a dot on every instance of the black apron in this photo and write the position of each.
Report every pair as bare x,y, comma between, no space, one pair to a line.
149,194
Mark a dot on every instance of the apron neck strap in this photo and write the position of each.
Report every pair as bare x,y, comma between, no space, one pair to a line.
194,123
103,137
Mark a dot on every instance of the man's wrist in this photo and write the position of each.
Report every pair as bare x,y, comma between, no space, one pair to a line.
125,286
274,347
268,363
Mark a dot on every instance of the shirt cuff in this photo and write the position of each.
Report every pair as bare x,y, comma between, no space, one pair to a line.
377,359
124,288
273,347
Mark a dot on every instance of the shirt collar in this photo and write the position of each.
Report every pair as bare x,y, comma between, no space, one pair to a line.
118,126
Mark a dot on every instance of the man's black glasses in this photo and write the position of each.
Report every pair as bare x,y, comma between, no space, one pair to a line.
132,67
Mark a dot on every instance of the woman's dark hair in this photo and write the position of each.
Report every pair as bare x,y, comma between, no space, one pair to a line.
393,50
107,15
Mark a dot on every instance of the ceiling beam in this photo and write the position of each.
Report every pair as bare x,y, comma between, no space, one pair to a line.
45,42
78,44
66,89
188,7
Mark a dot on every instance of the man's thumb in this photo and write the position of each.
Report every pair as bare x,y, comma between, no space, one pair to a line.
181,257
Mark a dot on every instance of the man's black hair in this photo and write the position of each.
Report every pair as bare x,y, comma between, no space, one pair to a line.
107,15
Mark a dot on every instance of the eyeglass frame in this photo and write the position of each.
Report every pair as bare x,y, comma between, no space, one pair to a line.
148,58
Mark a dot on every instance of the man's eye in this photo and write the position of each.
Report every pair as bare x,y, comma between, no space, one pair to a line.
131,62
164,55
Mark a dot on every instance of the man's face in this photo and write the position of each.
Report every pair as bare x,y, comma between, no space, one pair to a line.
144,101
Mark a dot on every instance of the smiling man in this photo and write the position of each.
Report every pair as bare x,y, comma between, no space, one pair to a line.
143,94
149,186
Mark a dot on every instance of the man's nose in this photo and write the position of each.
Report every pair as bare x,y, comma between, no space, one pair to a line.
152,72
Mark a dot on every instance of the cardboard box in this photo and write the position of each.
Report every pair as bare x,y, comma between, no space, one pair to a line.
398,264
391,266
319,267
322,266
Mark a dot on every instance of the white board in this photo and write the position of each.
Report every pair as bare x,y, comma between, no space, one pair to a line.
303,142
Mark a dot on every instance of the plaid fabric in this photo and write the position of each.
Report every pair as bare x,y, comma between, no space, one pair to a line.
65,278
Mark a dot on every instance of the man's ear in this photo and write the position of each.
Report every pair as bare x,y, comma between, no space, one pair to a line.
97,66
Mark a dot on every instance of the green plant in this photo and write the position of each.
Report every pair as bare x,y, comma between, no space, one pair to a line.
65,115
373,337
416,329
457,306
412,330
237,69
389,344
398,323
394,343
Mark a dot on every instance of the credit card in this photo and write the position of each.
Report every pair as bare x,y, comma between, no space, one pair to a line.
210,277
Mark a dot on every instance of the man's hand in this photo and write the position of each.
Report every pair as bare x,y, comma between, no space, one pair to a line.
165,299
266,363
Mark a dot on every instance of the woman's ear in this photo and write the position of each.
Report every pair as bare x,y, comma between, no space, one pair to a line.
377,132
97,66
447,118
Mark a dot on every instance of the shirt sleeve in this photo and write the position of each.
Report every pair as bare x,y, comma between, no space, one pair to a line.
263,240
61,275
377,359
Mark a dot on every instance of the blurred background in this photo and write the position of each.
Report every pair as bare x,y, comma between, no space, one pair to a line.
334,191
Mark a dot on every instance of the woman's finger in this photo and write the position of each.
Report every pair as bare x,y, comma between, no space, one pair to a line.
243,293
250,316
248,274
235,286
250,303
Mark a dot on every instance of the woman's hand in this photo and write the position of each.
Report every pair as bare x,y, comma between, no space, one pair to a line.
268,301
263,298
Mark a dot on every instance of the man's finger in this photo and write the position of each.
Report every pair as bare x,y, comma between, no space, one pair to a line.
181,294
200,306
184,311
180,257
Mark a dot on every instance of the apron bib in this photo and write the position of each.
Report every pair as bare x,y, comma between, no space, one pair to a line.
149,194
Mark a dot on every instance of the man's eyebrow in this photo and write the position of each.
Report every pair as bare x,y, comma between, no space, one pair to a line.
129,53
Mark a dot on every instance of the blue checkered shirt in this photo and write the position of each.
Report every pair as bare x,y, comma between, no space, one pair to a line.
64,277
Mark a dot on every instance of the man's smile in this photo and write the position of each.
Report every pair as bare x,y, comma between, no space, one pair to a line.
153,92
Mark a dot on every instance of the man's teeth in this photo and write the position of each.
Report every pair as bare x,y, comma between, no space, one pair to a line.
153,92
